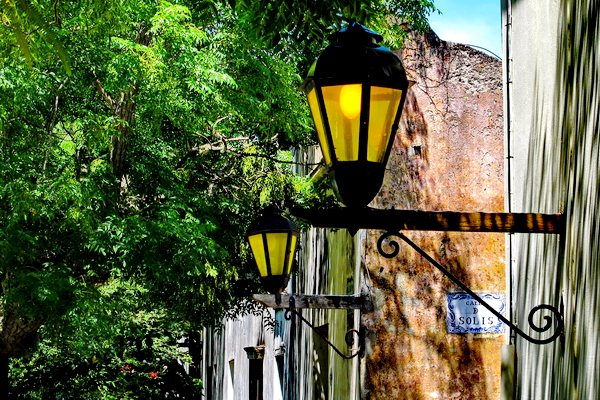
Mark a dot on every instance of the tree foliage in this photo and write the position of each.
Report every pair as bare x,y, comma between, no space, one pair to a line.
115,349
137,140
139,163
290,21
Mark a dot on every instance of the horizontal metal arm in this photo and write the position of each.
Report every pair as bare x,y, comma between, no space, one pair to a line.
402,220
556,313
314,301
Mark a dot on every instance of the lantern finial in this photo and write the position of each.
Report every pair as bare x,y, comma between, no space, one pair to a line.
355,33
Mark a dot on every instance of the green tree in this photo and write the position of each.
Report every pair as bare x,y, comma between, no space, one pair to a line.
116,349
137,139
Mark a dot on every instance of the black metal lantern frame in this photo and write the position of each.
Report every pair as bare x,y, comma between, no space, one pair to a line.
273,239
353,79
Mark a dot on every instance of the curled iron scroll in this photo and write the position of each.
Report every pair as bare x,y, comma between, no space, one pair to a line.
392,243
291,312
556,314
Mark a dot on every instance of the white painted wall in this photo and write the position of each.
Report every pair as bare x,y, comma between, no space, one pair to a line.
227,354
553,77
532,46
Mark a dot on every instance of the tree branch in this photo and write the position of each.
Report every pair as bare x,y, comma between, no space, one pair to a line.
242,154
221,145
205,148
51,124
107,99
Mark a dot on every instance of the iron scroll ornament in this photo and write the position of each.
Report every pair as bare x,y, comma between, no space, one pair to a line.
291,313
557,314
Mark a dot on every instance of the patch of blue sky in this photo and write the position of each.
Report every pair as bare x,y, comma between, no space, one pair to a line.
473,22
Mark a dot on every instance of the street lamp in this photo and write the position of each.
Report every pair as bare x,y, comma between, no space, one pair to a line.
273,240
356,90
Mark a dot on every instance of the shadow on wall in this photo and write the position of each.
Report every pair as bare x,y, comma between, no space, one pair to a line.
412,357
448,155
563,176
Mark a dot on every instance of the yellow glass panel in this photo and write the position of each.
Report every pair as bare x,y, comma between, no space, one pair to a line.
292,252
350,100
382,112
316,114
343,105
258,249
277,246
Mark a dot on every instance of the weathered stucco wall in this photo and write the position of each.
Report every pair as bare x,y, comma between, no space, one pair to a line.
447,156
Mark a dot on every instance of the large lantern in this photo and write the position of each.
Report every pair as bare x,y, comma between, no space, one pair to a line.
356,91
273,240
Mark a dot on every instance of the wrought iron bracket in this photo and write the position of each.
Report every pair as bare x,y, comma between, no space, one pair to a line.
292,313
393,221
556,313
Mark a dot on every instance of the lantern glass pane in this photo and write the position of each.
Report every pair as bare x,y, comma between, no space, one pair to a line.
277,243
343,106
316,114
382,113
292,252
258,249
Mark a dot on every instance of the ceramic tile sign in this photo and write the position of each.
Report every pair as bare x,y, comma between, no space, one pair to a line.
467,315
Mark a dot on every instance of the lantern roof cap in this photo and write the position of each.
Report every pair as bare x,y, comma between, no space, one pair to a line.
271,220
355,57
355,33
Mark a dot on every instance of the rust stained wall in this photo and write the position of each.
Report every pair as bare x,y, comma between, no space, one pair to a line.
448,155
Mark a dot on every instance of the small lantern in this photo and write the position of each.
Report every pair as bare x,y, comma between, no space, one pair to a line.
356,90
273,240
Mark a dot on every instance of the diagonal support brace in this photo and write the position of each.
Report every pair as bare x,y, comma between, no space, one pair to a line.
291,313
557,314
